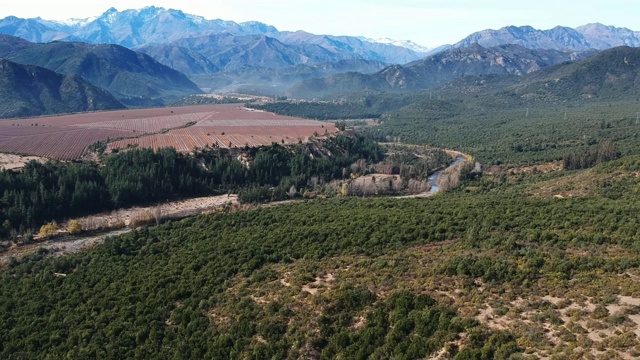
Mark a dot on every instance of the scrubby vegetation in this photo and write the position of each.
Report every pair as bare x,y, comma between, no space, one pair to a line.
517,134
237,285
497,128
528,260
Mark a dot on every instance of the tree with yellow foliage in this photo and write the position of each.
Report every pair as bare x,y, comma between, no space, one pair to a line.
48,230
74,227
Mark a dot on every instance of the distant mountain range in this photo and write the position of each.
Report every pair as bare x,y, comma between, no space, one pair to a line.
154,25
32,91
438,69
255,63
276,81
235,52
587,37
133,78
611,75
152,56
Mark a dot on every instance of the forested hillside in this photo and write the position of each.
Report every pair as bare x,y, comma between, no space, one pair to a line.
504,119
338,278
480,203
35,91
133,78
54,191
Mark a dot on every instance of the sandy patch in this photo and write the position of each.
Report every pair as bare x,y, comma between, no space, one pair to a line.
321,282
259,300
12,162
488,317
628,300
59,247
170,210
552,299
359,322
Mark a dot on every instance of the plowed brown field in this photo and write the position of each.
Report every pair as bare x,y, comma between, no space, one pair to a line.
184,128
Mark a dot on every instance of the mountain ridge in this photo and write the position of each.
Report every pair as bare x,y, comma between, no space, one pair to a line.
594,36
613,73
27,90
437,70
133,78
157,25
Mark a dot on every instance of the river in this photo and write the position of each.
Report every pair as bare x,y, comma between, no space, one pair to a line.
433,178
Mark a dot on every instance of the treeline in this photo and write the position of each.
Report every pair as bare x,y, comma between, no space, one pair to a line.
53,191
360,105
412,162
321,110
210,100
594,155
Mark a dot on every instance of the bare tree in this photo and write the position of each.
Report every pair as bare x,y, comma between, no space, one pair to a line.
157,214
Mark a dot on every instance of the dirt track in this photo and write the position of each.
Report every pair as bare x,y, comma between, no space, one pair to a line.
170,210
176,209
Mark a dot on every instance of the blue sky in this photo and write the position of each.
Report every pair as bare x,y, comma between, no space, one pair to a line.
427,22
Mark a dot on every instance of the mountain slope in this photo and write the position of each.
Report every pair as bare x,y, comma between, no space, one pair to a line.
32,91
603,37
131,77
181,59
587,37
12,44
437,69
348,46
154,25
231,52
275,81
253,63
612,74
34,30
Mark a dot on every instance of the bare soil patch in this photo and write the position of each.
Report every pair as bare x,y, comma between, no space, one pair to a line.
540,168
13,162
170,210
321,282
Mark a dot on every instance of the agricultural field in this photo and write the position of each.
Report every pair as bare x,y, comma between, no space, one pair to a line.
185,128
232,126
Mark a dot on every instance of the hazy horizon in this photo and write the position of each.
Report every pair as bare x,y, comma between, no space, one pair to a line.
429,23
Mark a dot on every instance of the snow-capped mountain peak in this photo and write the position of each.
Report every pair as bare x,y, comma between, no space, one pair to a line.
405,44
75,21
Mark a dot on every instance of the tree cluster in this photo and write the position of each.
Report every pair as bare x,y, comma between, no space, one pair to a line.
604,152
55,191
